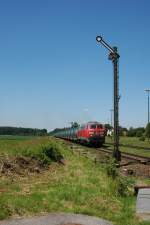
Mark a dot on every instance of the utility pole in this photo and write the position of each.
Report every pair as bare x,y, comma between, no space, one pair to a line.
114,57
148,90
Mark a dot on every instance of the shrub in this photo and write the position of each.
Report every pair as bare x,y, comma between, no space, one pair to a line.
142,138
46,153
139,133
52,151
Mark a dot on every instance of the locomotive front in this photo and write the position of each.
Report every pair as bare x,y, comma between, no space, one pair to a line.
96,132
92,133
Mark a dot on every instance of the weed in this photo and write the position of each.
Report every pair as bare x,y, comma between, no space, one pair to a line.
124,186
111,168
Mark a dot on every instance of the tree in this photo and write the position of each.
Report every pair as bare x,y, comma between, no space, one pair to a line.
140,131
74,124
147,131
108,126
136,132
22,131
132,132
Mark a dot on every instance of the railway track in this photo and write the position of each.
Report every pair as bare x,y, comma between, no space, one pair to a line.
130,156
141,159
131,146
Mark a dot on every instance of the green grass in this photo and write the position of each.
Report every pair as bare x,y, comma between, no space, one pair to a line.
15,145
16,137
133,141
81,186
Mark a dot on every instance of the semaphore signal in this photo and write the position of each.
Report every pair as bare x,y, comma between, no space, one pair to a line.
114,57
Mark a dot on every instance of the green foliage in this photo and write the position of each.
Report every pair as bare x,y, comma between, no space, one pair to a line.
80,186
123,185
122,131
139,133
4,211
128,142
52,151
75,125
108,126
136,132
142,138
22,131
46,153
111,168
147,133
144,223
131,132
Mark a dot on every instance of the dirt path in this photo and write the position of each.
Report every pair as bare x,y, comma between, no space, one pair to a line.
58,219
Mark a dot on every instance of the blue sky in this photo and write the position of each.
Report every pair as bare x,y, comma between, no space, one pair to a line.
53,71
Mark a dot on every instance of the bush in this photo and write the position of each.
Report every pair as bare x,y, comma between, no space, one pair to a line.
142,138
139,133
52,151
46,153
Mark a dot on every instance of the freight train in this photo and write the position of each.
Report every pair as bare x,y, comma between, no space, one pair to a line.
91,133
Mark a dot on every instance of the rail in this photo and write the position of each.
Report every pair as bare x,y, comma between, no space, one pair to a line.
131,146
141,159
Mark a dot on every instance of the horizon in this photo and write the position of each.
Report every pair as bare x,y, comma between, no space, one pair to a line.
48,131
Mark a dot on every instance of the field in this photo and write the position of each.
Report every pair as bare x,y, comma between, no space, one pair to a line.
77,185
132,141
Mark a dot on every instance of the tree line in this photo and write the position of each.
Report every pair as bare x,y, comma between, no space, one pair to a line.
22,131
141,132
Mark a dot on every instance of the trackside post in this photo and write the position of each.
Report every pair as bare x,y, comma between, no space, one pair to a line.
114,57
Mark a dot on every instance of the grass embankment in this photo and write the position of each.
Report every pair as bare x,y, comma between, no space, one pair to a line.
79,186
132,141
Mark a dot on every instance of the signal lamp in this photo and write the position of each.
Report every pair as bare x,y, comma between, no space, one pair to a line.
99,38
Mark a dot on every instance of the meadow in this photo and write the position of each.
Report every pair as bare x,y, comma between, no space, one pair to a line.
79,185
131,142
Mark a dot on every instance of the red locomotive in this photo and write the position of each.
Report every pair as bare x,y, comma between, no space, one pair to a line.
92,133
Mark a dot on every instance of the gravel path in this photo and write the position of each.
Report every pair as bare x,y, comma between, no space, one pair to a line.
58,219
